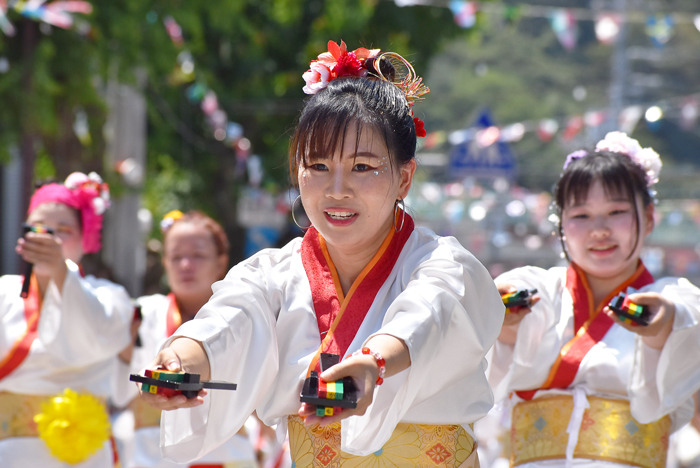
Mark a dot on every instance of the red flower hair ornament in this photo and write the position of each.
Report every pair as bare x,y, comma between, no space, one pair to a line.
339,62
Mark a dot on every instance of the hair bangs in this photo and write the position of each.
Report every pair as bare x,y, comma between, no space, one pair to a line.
613,172
347,106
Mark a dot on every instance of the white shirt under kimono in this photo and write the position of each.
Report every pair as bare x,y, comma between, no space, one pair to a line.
144,451
260,331
81,329
619,366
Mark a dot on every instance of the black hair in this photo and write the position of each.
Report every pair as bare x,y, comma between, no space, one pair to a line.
353,101
620,177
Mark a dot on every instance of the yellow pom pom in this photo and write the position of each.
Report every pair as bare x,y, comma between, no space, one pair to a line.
74,426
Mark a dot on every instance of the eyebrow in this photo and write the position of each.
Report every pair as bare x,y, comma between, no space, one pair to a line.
366,154
614,200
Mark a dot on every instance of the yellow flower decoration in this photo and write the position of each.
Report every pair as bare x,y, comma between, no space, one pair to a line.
169,219
74,426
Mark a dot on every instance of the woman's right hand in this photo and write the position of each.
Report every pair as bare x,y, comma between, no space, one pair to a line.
168,359
514,315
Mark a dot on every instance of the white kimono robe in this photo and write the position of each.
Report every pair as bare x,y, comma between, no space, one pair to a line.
81,329
144,450
619,366
260,331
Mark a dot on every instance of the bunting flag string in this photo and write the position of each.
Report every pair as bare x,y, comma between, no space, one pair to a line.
684,108
198,93
564,21
59,13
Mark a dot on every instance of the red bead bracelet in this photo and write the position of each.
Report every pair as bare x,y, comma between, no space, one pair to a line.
380,362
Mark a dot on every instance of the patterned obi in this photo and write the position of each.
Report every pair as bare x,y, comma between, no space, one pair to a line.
17,413
608,432
145,415
410,445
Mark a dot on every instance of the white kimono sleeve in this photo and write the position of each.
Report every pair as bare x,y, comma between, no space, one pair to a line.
449,315
663,381
529,360
94,313
237,330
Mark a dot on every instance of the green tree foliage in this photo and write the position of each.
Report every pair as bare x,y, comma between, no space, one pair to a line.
250,52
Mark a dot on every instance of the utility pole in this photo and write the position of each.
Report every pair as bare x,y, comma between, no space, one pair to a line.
619,72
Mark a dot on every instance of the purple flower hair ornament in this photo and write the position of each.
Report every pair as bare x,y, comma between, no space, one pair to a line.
578,154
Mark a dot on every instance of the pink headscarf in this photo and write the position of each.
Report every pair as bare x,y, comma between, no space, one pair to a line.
85,193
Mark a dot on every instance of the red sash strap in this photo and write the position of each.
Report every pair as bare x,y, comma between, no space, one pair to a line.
590,325
173,319
20,350
329,301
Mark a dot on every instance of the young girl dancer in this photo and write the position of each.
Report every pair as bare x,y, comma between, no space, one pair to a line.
195,255
586,386
413,312
61,340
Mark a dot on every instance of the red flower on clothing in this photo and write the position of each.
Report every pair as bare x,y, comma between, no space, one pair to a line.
420,127
438,453
326,455
587,422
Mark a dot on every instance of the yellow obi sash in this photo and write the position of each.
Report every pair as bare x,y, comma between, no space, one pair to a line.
145,415
608,432
410,445
17,413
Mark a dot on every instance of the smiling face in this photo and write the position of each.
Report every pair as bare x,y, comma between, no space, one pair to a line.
191,260
601,233
349,196
65,224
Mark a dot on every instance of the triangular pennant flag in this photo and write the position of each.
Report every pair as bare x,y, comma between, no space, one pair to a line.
594,118
565,27
5,24
546,129
689,113
573,127
174,30
660,29
464,13
72,6
628,118
513,132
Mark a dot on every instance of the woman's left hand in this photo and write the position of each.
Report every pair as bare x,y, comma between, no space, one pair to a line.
364,372
661,310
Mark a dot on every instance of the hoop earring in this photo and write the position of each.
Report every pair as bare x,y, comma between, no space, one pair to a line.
295,218
403,214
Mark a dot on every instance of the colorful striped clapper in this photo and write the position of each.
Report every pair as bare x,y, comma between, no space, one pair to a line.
329,397
168,383
628,311
519,298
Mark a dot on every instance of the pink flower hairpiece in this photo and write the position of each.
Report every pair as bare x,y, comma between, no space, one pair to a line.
618,142
86,193
646,158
